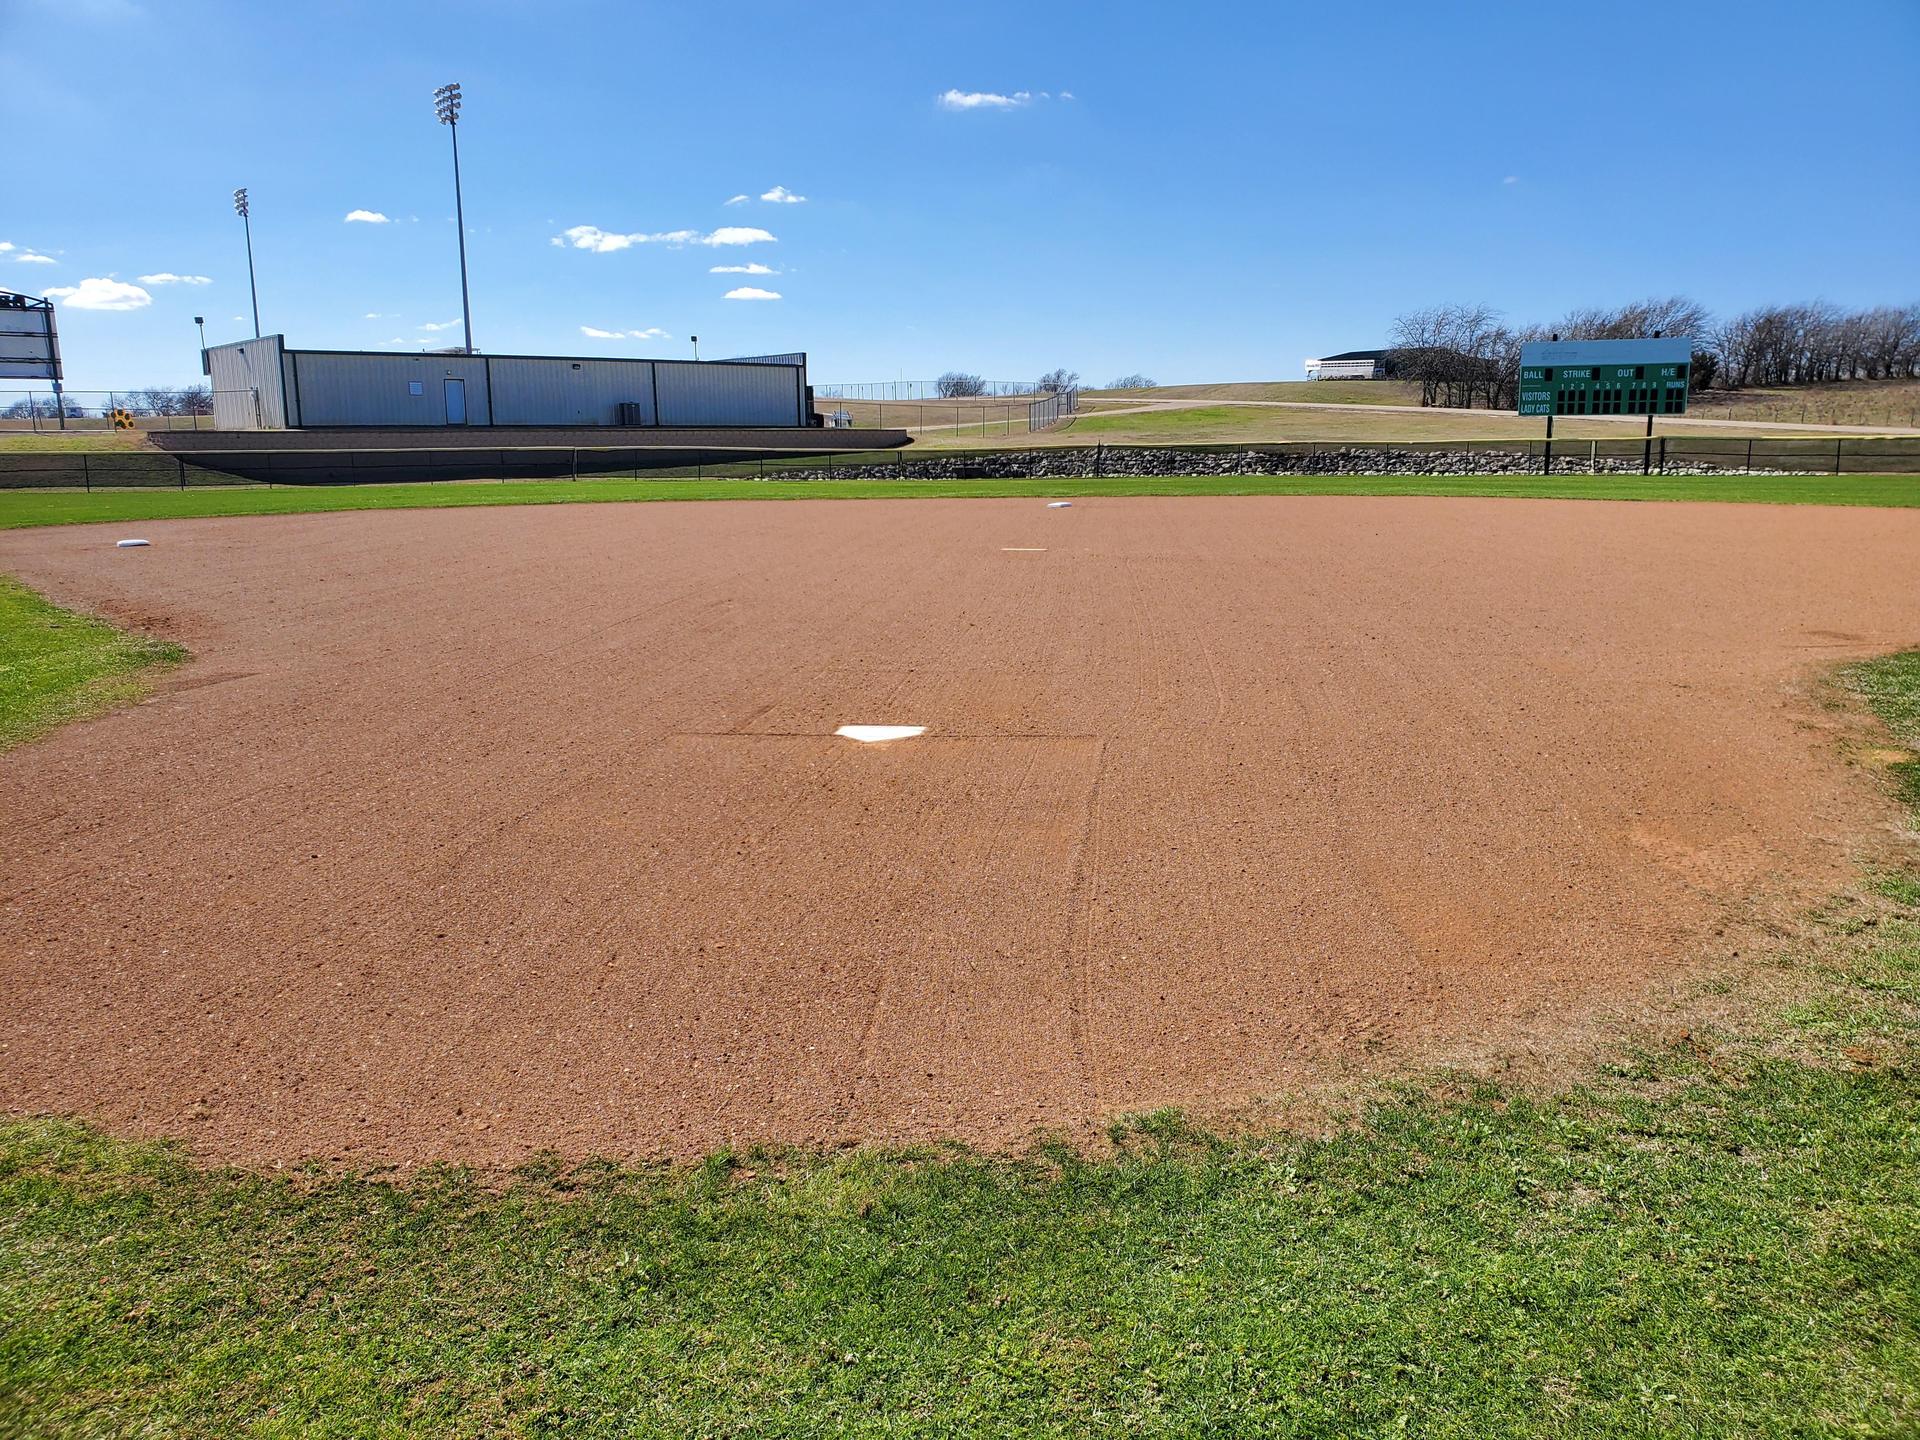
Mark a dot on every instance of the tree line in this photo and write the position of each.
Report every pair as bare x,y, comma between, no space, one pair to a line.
152,400
962,385
1464,356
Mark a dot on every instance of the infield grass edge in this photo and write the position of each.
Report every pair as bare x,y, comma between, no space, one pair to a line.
27,508
58,666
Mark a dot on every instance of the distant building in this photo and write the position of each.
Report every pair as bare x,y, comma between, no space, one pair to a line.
1350,365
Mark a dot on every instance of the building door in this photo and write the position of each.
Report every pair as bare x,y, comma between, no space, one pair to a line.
456,402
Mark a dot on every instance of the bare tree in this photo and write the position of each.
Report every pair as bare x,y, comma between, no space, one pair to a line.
1675,315
195,400
1055,381
154,400
1132,382
956,385
1461,356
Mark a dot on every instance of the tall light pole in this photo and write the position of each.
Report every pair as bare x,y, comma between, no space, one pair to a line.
446,105
241,209
696,347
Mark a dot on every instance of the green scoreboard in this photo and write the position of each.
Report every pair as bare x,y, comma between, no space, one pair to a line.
1605,377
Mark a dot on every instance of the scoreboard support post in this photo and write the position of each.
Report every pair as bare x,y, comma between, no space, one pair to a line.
1546,464
1646,450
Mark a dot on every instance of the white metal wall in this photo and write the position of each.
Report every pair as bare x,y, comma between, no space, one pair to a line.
239,370
716,393
320,387
545,390
355,389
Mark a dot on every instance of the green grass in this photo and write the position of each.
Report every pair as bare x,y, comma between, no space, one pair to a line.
1715,1236
40,507
57,666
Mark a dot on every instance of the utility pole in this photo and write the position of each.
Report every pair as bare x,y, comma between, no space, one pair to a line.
446,105
245,212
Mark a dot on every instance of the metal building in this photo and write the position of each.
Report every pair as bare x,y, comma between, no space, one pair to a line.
1352,365
260,384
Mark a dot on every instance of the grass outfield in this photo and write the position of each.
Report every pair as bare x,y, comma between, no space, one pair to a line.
65,507
57,666
1713,1235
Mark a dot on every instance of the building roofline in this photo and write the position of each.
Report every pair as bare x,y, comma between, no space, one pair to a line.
496,355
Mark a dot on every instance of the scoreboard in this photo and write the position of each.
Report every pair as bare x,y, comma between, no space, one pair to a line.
29,344
1605,377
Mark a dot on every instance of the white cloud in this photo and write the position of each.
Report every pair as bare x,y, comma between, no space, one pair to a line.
652,332
1066,94
737,235
756,268
1511,180
366,217
737,200
605,242
373,315
441,325
6,245
751,292
102,293
33,257
167,277
780,195
990,100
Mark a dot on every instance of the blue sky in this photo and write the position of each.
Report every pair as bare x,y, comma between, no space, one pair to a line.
1202,192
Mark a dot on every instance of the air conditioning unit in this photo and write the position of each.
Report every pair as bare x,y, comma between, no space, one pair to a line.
632,412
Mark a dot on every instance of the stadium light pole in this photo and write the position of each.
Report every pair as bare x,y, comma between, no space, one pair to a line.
446,105
245,212
696,346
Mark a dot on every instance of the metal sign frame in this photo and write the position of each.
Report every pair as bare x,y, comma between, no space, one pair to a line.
1605,377
29,340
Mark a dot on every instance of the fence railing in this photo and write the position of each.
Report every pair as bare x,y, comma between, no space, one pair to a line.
1620,458
36,410
985,418
915,390
1051,408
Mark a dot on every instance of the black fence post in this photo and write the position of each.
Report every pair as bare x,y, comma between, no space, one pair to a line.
86,472
1663,454
1749,457
183,471
1836,455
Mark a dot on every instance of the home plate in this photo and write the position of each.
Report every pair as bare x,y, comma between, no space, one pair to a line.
873,734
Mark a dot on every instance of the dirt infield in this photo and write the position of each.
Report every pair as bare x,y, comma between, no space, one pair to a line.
475,833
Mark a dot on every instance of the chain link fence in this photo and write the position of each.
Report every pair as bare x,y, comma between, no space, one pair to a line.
1053,407
1670,455
154,408
902,390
